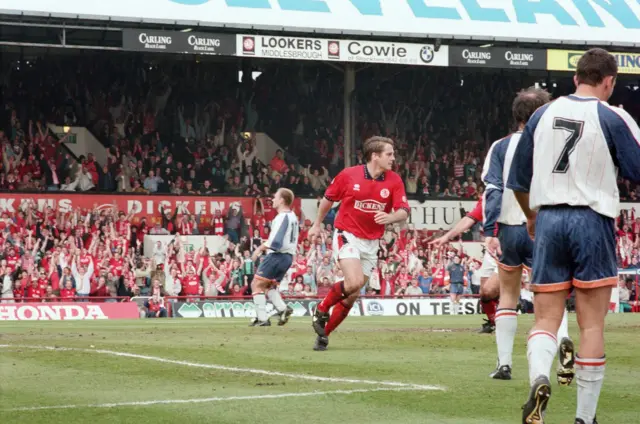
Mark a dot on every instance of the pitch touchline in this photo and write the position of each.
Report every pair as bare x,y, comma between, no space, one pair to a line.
233,369
213,399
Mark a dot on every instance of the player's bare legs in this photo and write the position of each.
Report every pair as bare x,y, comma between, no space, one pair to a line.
341,298
259,287
345,292
592,306
507,319
281,308
489,296
541,350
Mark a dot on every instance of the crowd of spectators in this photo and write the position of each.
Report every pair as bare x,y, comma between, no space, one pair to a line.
189,128
49,256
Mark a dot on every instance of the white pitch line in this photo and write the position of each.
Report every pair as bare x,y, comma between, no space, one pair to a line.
213,399
233,369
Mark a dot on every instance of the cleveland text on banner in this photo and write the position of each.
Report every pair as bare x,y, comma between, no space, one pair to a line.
554,21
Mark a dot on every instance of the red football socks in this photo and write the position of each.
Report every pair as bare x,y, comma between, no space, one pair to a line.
335,295
490,306
339,313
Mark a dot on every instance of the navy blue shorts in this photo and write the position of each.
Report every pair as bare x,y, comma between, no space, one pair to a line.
274,266
516,246
574,247
456,288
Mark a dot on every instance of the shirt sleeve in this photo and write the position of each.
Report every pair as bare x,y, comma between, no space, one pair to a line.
492,178
336,190
399,196
476,213
623,138
521,171
278,232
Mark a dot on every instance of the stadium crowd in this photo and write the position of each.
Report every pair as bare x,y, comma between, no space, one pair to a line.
49,255
189,128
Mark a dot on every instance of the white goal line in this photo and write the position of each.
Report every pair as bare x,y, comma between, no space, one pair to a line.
212,399
232,369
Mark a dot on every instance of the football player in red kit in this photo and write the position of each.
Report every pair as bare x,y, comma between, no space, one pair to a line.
489,283
372,196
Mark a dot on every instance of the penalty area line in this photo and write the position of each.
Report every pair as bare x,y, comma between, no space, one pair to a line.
212,399
231,369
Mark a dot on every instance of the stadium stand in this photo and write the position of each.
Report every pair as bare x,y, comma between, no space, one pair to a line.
190,129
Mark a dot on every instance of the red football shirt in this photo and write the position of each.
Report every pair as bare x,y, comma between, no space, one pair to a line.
476,213
362,197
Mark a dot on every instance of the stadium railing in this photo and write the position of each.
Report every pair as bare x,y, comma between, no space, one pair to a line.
89,299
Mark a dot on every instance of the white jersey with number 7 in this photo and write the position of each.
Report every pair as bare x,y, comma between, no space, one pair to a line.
570,153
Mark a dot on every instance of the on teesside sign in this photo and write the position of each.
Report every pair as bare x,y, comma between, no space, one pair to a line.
568,21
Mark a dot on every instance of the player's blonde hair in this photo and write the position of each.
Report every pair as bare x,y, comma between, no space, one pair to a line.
287,196
376,145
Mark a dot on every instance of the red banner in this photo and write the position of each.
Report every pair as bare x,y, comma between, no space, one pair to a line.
141,205
67,311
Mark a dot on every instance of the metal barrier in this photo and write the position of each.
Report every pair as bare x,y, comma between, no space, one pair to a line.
86,299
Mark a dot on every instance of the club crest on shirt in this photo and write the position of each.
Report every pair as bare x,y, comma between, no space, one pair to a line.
368,206
384,193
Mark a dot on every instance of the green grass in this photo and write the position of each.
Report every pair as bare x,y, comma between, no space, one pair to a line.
403,349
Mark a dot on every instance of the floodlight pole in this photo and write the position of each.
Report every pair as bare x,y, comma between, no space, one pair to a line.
349,130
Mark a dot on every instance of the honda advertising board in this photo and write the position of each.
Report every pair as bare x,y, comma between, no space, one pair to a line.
178,42
498,57
68,311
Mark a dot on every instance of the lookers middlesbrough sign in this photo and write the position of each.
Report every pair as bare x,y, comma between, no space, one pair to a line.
591,22
326,49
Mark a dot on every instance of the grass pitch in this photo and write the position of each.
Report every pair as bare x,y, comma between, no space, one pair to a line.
179,372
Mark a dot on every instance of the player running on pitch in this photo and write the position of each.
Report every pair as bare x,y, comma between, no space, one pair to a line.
489,285
566,186
507,239
282,244
372,196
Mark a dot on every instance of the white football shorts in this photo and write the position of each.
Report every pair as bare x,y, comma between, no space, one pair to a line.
348,246
489,266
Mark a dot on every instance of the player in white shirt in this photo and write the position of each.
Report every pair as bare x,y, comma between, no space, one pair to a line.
566,186
282,245
508,241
